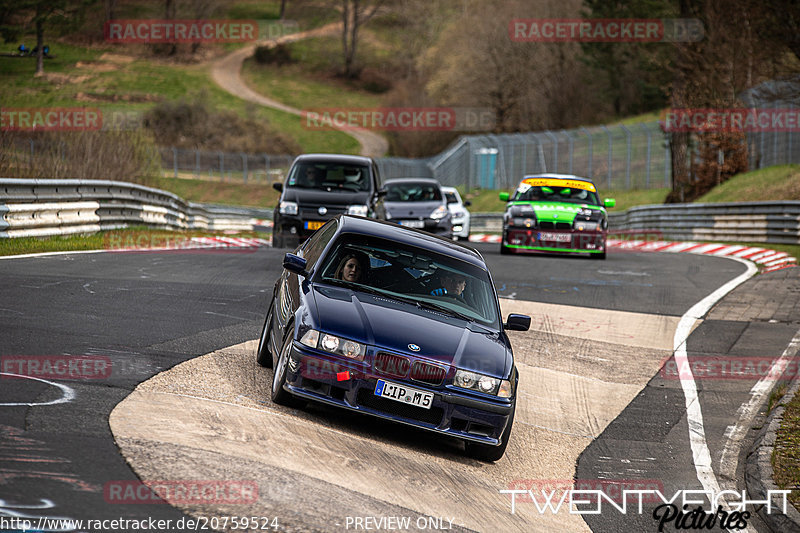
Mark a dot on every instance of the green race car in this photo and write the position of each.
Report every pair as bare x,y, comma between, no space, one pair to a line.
555,213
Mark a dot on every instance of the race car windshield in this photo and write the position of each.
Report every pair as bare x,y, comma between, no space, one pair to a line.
329,177
556,194
413,275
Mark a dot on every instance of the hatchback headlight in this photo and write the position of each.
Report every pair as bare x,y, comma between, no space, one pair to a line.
465,379
287,208
439,213
360,210
333,344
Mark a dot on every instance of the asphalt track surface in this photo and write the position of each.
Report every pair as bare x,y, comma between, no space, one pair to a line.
147,312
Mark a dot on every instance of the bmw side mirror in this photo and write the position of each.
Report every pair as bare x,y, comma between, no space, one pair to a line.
609,202
467,203
381,193
503,196
296,264
517,322
278,186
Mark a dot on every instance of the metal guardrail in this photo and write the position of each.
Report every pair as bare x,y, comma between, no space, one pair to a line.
767,222
38,208
30,208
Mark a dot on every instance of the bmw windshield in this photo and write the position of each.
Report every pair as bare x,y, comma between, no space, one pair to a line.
413,275
527,193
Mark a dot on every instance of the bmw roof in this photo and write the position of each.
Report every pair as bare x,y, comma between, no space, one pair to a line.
410,237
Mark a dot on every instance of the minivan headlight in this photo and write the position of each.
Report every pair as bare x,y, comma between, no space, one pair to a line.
287,208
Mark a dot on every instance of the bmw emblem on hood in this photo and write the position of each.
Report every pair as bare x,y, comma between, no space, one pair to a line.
322,210
413,347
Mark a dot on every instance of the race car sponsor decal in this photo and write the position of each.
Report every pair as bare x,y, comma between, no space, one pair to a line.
548,182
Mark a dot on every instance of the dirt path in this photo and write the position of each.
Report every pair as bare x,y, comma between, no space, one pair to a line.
226,72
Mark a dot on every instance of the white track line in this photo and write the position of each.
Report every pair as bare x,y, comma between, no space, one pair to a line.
701,456
67,393
747,411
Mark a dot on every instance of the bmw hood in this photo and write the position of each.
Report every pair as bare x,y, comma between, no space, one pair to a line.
392,325
416,210
552,211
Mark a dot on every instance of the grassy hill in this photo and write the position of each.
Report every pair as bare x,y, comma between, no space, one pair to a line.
774,183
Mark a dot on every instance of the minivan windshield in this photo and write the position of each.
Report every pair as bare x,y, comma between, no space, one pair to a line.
330,177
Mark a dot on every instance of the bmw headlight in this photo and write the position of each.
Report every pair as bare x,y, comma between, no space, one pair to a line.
287,208
333,344
439,213
586,226
584,212
465,379
360,210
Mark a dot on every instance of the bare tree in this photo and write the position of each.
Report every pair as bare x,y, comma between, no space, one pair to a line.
530,86
355,13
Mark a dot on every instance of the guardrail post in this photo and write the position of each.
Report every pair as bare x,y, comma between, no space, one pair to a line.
31,158
175,161
197,163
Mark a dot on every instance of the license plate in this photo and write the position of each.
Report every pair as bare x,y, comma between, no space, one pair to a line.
555,237
314,224
413,223
403,394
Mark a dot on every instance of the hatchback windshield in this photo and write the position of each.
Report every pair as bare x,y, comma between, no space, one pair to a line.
414,275
330,177
413,192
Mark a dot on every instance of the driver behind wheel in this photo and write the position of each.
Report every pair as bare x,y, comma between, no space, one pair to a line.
453,284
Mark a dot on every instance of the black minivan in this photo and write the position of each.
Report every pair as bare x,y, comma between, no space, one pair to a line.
321,186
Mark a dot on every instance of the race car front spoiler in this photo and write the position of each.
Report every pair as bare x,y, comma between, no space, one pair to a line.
560,241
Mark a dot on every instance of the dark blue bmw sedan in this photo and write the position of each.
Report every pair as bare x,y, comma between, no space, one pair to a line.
395,323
